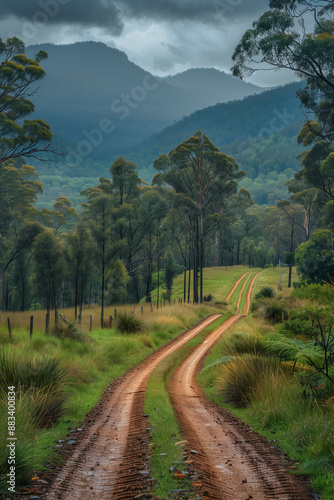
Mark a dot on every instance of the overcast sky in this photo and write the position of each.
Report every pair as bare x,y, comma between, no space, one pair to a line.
162,36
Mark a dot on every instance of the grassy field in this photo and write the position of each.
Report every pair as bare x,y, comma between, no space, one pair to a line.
217,281
270,277
90,367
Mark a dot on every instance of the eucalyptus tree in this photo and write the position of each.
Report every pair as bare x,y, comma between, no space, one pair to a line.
20,137
97,215
49,268
80,250
201,177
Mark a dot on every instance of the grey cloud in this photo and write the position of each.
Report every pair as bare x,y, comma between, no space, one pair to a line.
205,11
100,13
109,13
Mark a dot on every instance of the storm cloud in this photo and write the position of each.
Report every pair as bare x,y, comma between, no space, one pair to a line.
200,11
162,36
100,13
109,14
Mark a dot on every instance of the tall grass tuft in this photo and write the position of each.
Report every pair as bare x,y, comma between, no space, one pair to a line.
128,323
25,374
239,378
265,292
243,343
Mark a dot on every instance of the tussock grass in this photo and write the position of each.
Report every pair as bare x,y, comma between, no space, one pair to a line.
71,331
243,343
128,323
267,292
240,378
269,397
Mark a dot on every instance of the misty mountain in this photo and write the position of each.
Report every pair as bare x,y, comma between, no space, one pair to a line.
210,86
90,86
241,128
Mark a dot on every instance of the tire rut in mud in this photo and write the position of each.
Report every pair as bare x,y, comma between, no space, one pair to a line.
109,459
233,461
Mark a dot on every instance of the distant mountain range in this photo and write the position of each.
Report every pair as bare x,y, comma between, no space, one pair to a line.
243,128
90,86
99,103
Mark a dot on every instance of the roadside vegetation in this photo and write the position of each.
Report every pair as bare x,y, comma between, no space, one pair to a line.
275,370
60,376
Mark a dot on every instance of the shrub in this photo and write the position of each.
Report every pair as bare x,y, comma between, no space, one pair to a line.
71,331
38,385
265,292
25,374
208,298
45,406
128,323
243,343
272,310
239,379
277,401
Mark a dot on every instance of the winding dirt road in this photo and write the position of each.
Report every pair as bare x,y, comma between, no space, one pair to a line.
108,461
235,463
110,457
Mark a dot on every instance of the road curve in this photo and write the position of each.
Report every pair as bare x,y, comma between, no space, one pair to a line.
235,463
107,460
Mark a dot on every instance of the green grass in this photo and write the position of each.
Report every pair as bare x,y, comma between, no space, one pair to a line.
165,431
217,281
92,366
276,408
270,277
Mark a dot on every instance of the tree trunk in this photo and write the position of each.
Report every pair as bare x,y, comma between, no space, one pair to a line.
217,249
290,273
102,291
149,280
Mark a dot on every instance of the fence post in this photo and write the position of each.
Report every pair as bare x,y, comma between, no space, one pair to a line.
110,321
79,319
9,330
31,325
142,309
115,314
47,322
90,323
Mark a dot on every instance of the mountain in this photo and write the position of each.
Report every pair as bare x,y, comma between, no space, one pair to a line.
210,86
233,127
259,131
90,87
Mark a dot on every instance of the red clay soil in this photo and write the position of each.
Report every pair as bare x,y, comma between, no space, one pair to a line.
109,459
233,461
235,286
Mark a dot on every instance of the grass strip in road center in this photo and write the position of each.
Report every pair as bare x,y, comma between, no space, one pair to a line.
167,447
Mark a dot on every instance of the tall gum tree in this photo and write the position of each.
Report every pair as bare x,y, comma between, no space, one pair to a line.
201,176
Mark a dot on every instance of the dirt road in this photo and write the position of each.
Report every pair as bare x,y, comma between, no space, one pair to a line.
235,463
109,459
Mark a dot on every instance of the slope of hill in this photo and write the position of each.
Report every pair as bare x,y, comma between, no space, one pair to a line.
89,84
210,86
241,123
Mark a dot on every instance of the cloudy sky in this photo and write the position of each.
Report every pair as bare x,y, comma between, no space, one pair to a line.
162,36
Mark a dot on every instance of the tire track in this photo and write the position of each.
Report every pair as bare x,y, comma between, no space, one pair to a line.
235,286
109,459
235,463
